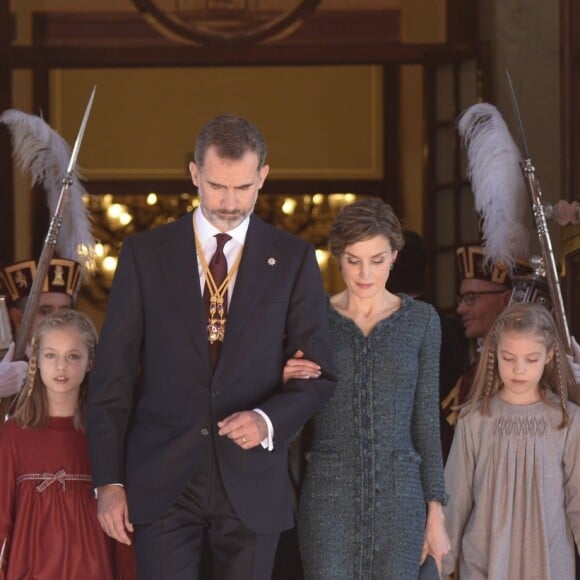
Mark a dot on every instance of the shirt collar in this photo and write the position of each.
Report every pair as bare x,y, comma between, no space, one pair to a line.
205,230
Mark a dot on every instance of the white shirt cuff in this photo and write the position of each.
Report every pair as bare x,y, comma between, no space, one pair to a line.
96,490
267,442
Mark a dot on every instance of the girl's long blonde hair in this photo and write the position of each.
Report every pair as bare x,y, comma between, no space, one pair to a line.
557,376
31,409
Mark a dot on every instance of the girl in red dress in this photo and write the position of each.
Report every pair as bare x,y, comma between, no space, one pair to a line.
48,513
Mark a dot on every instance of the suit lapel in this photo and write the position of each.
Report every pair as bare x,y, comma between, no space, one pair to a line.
257,267
179,264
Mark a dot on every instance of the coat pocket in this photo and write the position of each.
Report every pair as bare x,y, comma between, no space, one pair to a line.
407,474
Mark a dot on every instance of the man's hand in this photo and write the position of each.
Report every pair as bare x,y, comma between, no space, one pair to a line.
246,429
113,513
298,367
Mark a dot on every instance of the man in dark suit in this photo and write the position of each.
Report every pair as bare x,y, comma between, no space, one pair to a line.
187,444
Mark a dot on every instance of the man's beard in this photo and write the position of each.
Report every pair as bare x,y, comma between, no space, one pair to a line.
224,219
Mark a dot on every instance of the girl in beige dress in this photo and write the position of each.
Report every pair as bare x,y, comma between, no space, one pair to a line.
513,473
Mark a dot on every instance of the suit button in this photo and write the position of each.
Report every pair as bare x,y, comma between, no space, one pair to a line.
215,394
204,432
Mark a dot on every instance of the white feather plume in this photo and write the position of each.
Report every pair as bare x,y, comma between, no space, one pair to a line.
41,151
498,186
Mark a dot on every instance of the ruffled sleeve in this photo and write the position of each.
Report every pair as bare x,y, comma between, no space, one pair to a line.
572,473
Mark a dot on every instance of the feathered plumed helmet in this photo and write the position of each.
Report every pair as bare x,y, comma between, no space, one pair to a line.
473,263
500,196
63,276
44,154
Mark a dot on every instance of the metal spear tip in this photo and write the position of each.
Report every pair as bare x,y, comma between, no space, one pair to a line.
79,139
516,109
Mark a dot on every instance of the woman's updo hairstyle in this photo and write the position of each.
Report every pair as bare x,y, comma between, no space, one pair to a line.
362,220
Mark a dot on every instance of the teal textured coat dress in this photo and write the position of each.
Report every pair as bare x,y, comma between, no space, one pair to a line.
375,458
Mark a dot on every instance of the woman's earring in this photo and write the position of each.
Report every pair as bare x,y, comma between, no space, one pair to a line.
392,266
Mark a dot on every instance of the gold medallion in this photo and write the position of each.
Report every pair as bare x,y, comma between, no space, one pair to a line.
216,323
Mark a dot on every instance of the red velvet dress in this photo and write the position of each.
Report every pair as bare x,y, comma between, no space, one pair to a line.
48,513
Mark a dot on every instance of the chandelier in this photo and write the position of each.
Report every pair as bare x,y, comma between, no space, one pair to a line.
115,217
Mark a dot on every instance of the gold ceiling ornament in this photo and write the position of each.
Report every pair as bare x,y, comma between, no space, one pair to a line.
233,22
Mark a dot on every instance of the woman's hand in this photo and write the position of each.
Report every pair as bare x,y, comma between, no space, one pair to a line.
436,539
300,368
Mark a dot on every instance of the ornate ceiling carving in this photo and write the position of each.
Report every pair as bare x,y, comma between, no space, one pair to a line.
208,22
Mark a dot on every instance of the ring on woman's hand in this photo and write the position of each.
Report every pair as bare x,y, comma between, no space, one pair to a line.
243,439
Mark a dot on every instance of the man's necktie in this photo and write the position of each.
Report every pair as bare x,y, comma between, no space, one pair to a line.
218,267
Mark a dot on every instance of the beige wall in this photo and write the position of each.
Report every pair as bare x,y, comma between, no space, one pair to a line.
319,122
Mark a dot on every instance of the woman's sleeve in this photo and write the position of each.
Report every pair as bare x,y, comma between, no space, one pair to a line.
459,472
572,474
425,425
7,493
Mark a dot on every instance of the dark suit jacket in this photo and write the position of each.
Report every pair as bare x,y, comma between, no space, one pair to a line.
154,400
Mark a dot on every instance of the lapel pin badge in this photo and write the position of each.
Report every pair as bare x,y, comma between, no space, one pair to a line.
271,261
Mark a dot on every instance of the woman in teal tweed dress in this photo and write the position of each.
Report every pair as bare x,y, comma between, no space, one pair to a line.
370,506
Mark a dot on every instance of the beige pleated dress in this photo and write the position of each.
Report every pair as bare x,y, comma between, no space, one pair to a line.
513,480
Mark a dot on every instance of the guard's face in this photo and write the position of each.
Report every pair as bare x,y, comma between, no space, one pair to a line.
49,303
478,317
228,188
